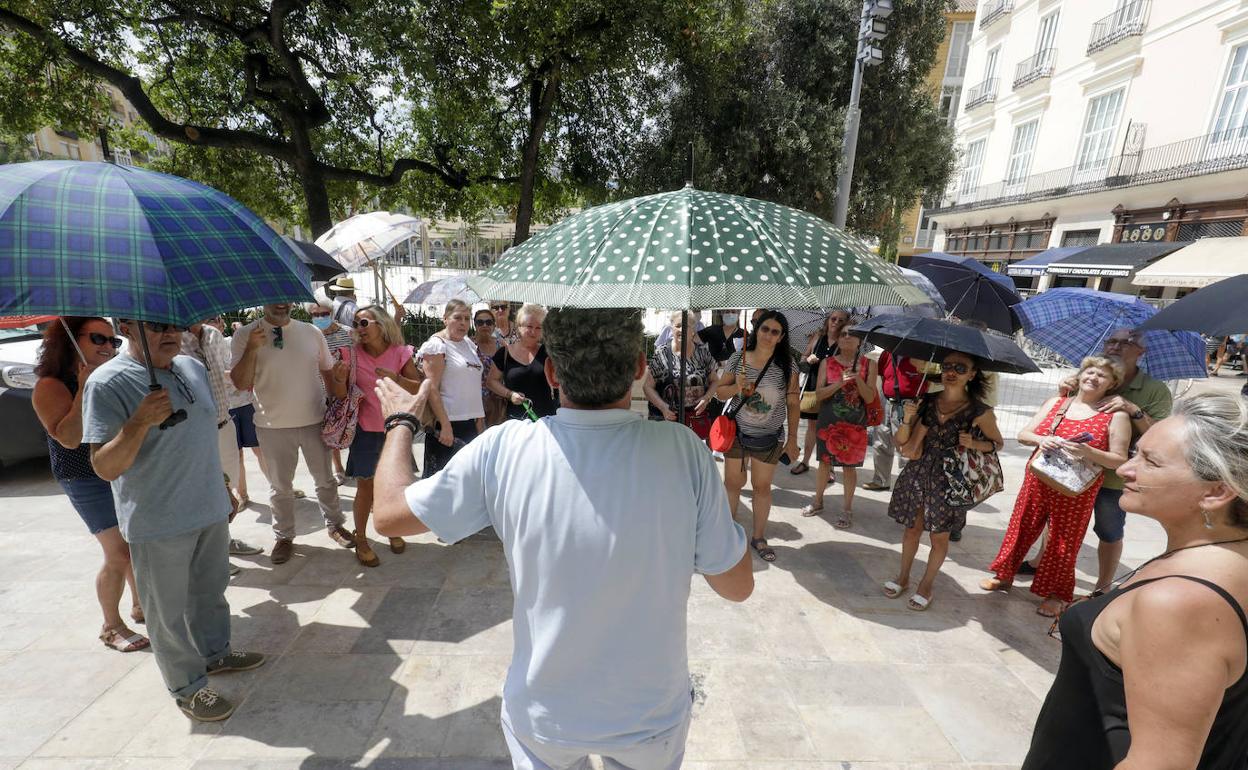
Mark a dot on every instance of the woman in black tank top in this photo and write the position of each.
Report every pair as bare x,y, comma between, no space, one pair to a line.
1154,672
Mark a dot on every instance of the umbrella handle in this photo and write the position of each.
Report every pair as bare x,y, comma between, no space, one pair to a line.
178,415
72,341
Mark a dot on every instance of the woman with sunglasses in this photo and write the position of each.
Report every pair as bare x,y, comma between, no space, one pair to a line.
762,378
338,338
929,432
504,330
1154,671
845,385
487,345
453,366
821,347
519,372
1075,426
57,400
379,352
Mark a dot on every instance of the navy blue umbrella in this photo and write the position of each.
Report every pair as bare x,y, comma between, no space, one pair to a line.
972,291
931,339
1217,310
317,265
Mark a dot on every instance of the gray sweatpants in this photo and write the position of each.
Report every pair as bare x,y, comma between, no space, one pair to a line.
883,451
281,448
181,582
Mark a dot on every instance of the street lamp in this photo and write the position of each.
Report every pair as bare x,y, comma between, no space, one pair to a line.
872,28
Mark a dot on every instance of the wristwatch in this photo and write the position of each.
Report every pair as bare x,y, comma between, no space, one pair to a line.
1138,414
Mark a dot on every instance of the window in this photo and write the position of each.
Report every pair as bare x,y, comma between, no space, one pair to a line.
1081,237
950,98
1099,128
959,48
1021,149
1231,119
1225,229
71,151
990,65
971,163
1047,37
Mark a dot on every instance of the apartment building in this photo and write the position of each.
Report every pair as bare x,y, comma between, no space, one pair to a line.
51,143
1088,122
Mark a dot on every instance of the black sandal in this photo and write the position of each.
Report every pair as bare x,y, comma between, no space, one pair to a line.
764,551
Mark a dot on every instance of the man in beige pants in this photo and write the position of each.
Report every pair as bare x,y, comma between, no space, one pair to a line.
280,359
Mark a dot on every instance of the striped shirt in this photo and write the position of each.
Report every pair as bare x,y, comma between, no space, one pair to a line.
338,339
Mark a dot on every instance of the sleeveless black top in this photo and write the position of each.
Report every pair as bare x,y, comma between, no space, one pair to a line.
74,463
1083,723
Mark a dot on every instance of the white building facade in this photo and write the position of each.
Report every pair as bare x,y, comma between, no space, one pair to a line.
1087,122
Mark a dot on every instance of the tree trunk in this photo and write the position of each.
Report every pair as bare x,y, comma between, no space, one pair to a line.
315,193
542,92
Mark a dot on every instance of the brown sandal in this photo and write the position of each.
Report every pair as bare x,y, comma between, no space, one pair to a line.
364,552
123,639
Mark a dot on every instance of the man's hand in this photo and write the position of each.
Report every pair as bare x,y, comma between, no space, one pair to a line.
255,339
394,399
1117,404
153,409
516,398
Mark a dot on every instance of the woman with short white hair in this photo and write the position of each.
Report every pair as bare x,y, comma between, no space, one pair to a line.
1154,671
454,368
519,372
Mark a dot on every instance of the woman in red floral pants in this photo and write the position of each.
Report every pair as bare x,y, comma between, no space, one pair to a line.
1038,504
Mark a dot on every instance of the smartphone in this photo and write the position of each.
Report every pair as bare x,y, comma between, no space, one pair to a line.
1082,438
785,459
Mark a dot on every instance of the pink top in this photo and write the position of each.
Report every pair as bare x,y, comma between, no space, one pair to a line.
394,359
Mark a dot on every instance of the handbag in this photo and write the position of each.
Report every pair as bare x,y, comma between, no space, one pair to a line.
971,476
342,415
809,401
724,430
1059,470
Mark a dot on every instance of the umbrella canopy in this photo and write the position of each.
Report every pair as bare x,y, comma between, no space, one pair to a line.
87,239
1218,309
20,321
316,262
694,249
933,308
930,339
442,291
1075,322
367,237
971,290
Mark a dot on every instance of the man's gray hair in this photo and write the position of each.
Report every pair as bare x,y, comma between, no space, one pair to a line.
595,352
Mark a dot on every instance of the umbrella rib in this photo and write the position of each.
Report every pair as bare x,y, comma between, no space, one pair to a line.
760,229
654,223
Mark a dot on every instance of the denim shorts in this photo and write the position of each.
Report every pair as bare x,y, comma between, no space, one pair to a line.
365,452
1111,520
92,498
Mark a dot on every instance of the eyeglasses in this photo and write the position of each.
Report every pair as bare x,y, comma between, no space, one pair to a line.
773,331
278,342
361,323
503,306
1116,342
952,367
162,328
484,322
104,339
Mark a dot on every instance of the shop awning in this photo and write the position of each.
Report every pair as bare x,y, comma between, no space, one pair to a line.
1035,264
1206,261
1112,260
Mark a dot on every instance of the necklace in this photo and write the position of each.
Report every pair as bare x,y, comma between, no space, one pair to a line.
957,408
1172,552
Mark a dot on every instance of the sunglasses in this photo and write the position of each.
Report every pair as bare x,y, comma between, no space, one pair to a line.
500,307
278,341
484,322
104,339
162,328
361,323
770,331
959,368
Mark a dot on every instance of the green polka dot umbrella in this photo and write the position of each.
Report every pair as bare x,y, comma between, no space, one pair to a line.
694,249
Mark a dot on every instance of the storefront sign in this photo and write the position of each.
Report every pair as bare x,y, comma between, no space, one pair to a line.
1143,233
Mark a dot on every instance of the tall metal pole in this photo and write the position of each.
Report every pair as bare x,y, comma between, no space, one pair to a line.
849,146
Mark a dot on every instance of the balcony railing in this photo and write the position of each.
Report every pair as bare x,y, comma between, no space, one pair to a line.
984,93
994,10
1127,21
1035,68
1208,154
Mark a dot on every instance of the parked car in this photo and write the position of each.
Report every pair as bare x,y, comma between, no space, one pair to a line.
23,437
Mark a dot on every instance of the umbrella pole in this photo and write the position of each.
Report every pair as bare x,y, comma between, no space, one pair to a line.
684,339
178,415
72,341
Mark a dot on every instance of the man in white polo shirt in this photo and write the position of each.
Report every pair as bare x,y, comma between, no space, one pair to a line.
605,517
283,361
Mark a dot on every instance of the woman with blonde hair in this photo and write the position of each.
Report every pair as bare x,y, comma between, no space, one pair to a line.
1074,426
452,364
519,372
379,352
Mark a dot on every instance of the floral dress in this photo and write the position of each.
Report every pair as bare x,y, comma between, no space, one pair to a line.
921,487
842,426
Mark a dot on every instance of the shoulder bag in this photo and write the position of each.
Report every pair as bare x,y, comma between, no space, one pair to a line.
342,415
971,476
1059,470
724,430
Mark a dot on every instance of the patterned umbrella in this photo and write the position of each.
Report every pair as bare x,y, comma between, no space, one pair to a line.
694,249
365,238
1075,322
86,239
442,291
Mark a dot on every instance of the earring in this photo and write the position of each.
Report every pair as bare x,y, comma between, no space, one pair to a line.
1208,522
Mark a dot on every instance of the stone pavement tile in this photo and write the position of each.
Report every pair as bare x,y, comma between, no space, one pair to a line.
844,637
59,597
877,733
849,685
715,733
468,621
425,564
722,629
986,714
26,723
18,630
268,619
784,631
398,621
328,566
109,722
480,565
340,619
172,734
474,729
263,729
48,673
906,636
318,763
322,678
776,740
758,690
111,763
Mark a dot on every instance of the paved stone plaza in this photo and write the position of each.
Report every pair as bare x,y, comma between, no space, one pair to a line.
402,666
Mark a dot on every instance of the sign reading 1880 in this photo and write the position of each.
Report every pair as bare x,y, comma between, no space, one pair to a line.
1144,233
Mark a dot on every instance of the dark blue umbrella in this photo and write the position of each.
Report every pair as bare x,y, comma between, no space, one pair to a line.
930,339
316,264
1218,309
972,291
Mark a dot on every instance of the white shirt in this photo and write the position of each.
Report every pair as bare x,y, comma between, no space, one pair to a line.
604,518
461,379
287,387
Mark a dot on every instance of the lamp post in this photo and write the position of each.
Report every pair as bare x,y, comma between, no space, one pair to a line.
872,28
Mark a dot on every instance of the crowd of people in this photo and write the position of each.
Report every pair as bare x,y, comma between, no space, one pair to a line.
583,494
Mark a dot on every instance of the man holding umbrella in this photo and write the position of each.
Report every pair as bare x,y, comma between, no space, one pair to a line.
172,506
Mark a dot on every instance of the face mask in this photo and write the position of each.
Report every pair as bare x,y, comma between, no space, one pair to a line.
322,322
730,319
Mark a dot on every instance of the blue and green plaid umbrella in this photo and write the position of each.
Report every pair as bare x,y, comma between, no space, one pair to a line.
81,238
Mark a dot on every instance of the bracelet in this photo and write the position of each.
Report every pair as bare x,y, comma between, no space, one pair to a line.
393,423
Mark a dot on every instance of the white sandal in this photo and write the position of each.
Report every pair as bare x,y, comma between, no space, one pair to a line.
810,510
918,603
892,590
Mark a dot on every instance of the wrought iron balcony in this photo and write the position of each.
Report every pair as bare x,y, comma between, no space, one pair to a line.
993,11
984,93
1035,68
1127,21
1200,155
